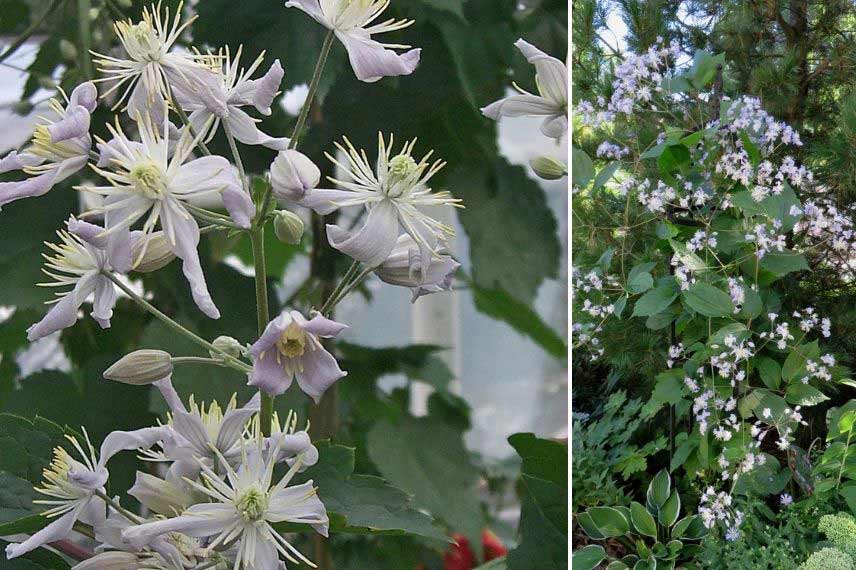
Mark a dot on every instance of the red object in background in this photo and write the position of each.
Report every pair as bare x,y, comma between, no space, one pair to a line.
461,557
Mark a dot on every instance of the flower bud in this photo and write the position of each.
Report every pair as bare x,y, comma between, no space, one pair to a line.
141,367
548,168
292,174
160,496
67,49
157,253
228,345
288,227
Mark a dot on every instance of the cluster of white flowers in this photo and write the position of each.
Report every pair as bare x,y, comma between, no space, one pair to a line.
716,508
637,78
766,238
701,239
591,293
746,114
737,292
215,500
609,150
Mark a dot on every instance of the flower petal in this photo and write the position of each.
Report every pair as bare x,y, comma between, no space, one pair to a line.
74,124
182,234
298,504
57,530
62,315
519,106
170,395
90,233
232,427
138,439
244,129
17,161
271,334
371,61
85,95
269,375
551,74
105,300
373,242
324,201
555,127
320,371
27,188
311,7
322,326
267,87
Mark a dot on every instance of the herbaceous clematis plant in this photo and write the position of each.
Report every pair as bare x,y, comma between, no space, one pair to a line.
353,23
223,478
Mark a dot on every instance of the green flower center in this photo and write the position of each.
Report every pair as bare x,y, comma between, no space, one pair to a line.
148,180
252,504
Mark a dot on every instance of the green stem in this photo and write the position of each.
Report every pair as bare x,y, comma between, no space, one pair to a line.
83,7
336,298
307,105
198,360
212,217
186,122
190,335
352,270
313,88
238,162
120,509
257,238
20,40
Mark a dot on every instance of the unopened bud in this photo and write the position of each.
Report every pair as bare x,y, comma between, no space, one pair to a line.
228,345
141,367
112,560
157,253
125,3
548,168
46,82
67,49
288,227
23,107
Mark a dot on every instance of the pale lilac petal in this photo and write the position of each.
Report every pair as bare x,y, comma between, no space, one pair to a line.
271,334
267,87
125,440
292,445
17,161
311,7
551,73
519,106
371,61
199,84
27,188
372,243
269,375
239,205
198,521
298,504
85,95
324,201
182,234
322,326
62,314
320,371
244,129
57,530
118,221
74,124
203,175
232,427
170,395
191,428
266,555
293,175
90,233
114,149
105,300
555,127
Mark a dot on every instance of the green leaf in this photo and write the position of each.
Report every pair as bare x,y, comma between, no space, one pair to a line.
783,262
657,299
506,213
704,68
673,158
750,148
800,394
659,490
542,458
667,390
364,503
428,459
639,283
709,301
737,330
499,305
605,174
670,510
642,520
582,168
588,557
794,366
770,372
609,521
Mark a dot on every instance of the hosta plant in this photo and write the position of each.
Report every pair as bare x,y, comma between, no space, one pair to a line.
654,534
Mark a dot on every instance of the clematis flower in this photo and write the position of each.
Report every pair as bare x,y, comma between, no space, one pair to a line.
77,262
551,77
350,19
59,148
403,267
146,179
242,509
290,348
238,90
392,194
73,485
150,68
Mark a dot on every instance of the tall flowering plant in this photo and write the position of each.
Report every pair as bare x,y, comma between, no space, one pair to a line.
706,215
230,487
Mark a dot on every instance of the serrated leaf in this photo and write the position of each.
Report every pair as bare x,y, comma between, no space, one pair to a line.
800,394
709,301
